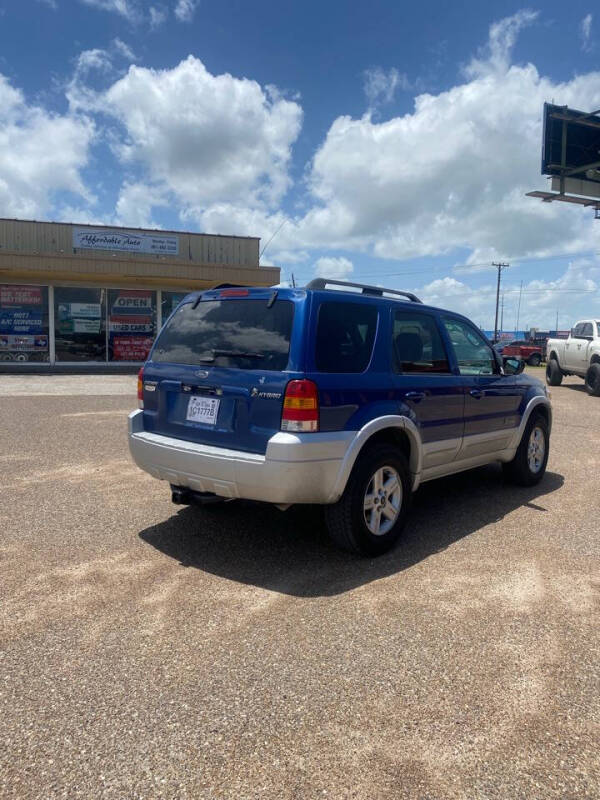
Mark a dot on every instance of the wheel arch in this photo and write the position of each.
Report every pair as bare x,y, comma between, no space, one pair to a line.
391,429
554,355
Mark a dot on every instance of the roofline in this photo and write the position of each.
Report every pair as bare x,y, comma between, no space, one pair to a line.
131,228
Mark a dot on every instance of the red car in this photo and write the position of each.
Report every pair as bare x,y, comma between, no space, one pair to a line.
528,351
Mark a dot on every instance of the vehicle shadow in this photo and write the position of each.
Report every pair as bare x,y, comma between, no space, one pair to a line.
290,551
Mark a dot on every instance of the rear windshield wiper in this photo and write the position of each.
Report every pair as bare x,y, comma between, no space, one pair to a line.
212,354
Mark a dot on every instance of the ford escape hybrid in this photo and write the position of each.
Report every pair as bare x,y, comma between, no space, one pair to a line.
340,394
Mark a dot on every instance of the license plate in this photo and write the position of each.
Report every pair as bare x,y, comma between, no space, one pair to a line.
202,409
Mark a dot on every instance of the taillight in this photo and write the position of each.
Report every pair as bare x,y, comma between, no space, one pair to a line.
141,388
300,407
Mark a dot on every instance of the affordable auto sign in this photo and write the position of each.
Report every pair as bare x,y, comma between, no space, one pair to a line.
131,325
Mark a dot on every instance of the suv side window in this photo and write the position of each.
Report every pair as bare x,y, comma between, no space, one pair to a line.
578,330
473,353
345,336
417,345
588,329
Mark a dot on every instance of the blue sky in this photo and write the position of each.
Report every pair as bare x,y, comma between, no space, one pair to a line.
387,142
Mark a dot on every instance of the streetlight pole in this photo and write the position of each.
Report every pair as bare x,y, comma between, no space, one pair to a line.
499,267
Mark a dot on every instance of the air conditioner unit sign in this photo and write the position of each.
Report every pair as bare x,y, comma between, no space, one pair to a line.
89,239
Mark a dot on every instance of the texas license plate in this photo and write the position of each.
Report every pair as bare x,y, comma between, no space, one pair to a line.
202,409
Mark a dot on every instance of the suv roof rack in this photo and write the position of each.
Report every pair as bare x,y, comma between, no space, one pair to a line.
377,291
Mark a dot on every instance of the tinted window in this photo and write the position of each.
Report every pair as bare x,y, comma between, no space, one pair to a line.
80,324
345,336
244,334
587,329
417,345
578,329
474,355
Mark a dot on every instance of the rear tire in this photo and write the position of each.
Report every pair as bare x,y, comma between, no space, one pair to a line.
592,380
535,360
554,373
529,464
370,516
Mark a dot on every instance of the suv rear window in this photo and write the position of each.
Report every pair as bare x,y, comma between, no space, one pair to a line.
345,336
244,334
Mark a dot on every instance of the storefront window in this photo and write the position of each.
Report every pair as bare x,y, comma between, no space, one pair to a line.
131,324
24,332
79,324
170,301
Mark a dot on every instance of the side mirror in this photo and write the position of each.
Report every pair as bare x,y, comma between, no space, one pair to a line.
513,366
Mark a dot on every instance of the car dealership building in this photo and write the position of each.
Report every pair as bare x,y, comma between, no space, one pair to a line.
88,294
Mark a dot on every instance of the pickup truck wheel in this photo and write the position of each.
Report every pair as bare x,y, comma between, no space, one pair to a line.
529,464
369,517
592,380
554,374
535,360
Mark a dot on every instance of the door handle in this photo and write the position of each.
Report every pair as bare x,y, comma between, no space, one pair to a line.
416,397
477,393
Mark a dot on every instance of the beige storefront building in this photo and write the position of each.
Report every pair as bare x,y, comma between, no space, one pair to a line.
88,294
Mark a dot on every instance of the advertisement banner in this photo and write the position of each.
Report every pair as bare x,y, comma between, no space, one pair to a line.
131,348
88,310
14,321
130,242
24,343
20,296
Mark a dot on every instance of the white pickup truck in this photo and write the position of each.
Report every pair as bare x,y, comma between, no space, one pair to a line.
577,355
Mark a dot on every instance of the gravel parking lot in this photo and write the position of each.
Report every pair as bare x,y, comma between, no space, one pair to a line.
151,651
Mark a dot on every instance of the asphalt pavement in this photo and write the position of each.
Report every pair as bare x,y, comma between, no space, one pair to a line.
154,651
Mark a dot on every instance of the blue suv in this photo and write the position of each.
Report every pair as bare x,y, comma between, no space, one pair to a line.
340,394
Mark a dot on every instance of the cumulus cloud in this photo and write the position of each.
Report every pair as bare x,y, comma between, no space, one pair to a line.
573,294
185,9
453,173
135,204
585,31
29,178
335,268
209,139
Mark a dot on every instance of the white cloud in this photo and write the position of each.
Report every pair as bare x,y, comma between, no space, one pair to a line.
495,56
334,268
88,60
158,15
129,9
209,139
585,31
123,49
185,9
380,86
41,154
573,295
135,204
452,174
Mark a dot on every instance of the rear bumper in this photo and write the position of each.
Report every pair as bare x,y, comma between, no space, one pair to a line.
296,468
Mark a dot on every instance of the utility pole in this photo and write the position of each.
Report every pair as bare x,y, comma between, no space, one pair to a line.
499,267
293,281
519,310
502,316
556,329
